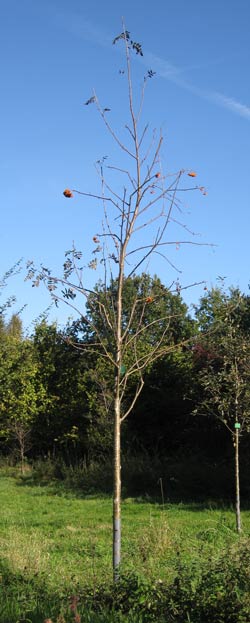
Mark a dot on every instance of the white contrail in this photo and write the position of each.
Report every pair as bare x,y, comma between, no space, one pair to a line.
231,104
171,72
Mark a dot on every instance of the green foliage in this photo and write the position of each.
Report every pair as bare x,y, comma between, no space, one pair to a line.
57,400
224,587
21,394
14,327
143,297
62,428
149,298
161,420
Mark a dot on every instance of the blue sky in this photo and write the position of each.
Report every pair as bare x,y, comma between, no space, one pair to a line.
53,54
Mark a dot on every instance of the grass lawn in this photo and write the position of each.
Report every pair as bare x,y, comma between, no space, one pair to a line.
66,540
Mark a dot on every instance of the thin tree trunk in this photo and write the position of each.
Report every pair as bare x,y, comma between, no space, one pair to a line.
237,482
22,461
117,491
117,427
22,449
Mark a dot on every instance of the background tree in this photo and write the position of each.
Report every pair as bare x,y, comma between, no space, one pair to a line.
134,227
62,427
223,359
21,395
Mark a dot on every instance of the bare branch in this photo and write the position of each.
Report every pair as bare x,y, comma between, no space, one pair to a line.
96,197
111,131
123,171
135,398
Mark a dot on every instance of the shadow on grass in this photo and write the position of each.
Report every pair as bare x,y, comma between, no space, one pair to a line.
60,489
144,481
71,491
27,599
24,598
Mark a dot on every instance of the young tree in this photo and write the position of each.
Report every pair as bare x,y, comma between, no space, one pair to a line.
223,359
21,395
100,397
134,228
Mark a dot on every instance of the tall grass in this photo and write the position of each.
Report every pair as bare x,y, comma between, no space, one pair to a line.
181,562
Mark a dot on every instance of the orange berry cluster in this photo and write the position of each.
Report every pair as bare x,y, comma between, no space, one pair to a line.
68,193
